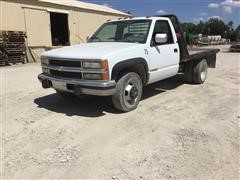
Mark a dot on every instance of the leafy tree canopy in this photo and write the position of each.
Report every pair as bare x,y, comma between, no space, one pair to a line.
213,27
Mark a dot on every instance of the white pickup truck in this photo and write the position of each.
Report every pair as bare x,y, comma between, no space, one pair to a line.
122,57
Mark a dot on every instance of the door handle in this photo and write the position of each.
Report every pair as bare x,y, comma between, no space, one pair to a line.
175,50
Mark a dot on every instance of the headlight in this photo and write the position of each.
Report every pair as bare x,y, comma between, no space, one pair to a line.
92,65
44,60
103,64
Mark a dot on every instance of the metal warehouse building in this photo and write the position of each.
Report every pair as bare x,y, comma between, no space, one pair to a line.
50,23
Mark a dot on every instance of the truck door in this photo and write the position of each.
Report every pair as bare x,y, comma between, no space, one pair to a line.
164,58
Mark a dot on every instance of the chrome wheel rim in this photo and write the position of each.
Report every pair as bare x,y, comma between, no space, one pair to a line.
131,92
203,74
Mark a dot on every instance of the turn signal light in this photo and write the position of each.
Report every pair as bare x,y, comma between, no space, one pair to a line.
105,76
104,64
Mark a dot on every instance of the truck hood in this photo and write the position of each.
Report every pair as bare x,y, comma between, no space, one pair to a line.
100,50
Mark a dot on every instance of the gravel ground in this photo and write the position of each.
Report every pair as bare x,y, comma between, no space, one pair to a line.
179,131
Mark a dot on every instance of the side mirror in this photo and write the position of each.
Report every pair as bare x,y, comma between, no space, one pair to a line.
161,38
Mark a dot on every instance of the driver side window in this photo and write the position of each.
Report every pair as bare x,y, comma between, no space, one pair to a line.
162,27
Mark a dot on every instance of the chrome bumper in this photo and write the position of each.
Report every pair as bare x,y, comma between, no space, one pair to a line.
97,88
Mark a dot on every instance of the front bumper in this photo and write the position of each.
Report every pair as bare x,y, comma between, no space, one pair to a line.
78,87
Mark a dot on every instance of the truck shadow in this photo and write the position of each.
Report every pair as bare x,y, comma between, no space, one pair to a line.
95,106
92,106
163,86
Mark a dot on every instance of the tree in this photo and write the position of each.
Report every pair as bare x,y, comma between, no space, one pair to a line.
201,28
230,25
235,35
213,27
189,27
216,27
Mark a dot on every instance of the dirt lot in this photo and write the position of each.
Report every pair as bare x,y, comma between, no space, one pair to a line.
178,131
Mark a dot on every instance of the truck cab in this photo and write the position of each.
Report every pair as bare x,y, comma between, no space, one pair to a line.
123,56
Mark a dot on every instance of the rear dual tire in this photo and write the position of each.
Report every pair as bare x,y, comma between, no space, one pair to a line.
196,72
200,72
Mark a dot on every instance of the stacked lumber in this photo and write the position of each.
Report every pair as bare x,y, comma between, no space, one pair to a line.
13,47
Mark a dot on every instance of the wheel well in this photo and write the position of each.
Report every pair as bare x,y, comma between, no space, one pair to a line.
137,68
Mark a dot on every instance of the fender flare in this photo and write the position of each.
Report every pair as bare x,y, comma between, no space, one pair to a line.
128,63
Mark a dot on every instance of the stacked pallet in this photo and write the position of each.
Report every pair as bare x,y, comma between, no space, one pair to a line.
13,47
2,54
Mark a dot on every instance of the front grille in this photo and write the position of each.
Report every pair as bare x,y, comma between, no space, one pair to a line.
66,63
75,75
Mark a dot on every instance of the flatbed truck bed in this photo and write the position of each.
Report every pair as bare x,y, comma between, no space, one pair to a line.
202,53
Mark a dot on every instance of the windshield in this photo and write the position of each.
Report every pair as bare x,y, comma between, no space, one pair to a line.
133,31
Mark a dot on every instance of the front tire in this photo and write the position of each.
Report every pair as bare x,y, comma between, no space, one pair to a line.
128,92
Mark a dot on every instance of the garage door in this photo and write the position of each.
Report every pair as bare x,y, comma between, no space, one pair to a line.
38,27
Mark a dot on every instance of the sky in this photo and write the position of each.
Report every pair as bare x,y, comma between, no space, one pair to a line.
186,10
